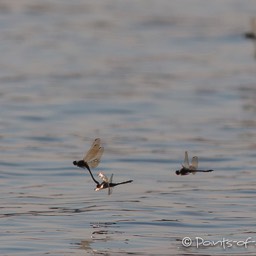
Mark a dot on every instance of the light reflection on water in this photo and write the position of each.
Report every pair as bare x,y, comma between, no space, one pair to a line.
152,82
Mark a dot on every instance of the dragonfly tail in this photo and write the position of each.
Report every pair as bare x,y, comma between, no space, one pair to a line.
204,170
88,168
124,182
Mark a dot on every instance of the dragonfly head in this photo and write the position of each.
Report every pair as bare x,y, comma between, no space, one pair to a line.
99,187
178,172
75,163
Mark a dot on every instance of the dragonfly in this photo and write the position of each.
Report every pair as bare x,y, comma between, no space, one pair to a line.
91,158
252,33
108,183
187,168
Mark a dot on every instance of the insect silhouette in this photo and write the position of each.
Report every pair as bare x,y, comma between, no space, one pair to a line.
187,169
91,158
107,183
251,34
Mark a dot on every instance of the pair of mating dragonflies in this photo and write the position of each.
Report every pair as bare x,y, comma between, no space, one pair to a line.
91,160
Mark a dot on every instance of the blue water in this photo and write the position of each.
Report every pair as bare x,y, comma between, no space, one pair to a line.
151,79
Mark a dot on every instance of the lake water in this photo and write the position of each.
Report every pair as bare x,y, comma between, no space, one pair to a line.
151,79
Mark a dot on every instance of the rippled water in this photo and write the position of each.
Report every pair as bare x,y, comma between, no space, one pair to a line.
151,79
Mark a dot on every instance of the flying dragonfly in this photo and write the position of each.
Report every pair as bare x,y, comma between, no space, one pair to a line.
187,168
107,183
91,158
251,34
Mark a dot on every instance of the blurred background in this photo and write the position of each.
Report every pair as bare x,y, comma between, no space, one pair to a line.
151,79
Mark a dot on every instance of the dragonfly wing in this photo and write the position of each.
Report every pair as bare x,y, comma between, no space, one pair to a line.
110,189
103,177
194,163
94,162
93,150
186,162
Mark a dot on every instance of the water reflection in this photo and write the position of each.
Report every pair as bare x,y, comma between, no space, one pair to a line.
102,233
86,245
248,96
103,230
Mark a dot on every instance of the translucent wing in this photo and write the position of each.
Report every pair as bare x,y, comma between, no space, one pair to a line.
186,162
194,163
110,189
103,177
93,150
93,162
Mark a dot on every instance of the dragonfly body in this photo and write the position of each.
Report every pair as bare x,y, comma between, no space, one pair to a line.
104,184
107,183
185,171
250,35
91,158
82,164
187,168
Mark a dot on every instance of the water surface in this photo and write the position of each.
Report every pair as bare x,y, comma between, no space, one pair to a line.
151,79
